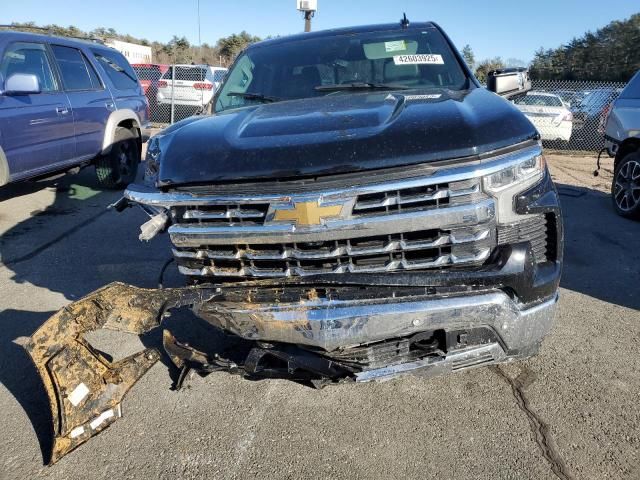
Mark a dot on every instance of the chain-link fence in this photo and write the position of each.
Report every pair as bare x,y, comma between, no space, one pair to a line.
570,115
176,92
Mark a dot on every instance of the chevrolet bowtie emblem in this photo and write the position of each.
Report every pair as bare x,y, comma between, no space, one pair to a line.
307,213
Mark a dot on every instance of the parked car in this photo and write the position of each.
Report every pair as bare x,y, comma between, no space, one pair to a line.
588,115
358,208
548,113
149,74
571,98
622,141
68,103
194,85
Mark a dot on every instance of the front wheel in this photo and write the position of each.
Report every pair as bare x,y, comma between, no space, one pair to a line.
625,188
119,167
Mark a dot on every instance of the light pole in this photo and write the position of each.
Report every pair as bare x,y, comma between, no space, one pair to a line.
309,8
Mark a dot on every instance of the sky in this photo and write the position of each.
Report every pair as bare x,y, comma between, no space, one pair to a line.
492,28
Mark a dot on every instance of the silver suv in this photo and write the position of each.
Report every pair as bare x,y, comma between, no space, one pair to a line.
622,141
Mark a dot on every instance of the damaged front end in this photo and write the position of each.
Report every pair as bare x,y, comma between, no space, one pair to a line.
420,273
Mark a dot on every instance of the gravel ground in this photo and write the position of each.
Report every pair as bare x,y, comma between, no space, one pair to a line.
570,412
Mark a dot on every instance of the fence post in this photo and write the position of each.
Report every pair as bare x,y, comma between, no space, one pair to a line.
173,88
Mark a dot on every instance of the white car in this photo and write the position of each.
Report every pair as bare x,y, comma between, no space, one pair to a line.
550,115
194,85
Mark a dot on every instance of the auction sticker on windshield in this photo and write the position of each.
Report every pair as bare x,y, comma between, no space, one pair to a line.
424,59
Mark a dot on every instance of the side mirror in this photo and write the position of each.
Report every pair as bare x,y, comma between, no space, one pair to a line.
22,84
509,82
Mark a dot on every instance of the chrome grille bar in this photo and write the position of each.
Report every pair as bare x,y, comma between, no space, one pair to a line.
229,214
289,253
292,271
334,229
400,199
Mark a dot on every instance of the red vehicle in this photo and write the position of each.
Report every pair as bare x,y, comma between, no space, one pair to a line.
149,74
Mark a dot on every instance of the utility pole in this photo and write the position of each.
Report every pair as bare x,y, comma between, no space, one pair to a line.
309,9
307,20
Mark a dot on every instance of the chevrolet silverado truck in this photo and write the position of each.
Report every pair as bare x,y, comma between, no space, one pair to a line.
357,207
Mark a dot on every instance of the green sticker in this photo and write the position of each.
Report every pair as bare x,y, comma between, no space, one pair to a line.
396,46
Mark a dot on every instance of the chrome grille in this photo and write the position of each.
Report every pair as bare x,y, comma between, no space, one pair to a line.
405,251
222,214
416,198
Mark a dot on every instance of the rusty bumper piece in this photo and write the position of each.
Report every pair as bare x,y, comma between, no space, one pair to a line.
84,388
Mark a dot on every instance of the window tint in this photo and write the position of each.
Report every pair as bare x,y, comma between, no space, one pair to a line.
76,73
539,101
30,59
147,73
118,69
187,74
218,75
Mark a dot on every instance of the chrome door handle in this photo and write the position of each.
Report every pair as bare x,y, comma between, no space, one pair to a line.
62,110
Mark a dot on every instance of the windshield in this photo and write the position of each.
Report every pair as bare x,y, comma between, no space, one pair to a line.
187,74
539,101
287,71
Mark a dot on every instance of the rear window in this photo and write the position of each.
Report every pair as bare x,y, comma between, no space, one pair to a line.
218,75
148,73
118,69
539,101
187,74
632,90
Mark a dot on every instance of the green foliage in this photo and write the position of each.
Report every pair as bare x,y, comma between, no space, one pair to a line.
486,66
232,45
469,56
610,54
177,50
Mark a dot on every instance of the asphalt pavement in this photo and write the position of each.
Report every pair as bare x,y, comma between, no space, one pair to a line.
573,411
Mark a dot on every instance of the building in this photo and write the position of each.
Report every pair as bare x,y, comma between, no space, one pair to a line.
133,52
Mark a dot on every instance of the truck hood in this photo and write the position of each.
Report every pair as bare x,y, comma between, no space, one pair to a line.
337,134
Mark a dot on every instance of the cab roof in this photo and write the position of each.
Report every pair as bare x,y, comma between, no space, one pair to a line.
384,27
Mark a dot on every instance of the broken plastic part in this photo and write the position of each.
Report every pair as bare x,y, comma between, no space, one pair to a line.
153,227
84,388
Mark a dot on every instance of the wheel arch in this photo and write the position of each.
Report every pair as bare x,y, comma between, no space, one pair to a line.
121,118
5,176
630,145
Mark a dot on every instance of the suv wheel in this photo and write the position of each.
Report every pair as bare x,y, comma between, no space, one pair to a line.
625,188
119,167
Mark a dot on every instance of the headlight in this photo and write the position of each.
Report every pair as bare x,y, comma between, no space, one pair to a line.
505,184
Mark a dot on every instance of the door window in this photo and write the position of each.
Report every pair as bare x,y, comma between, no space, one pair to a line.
118,69
30,59
77,73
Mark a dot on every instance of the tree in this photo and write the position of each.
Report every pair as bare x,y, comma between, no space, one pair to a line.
611,53
486,66
469,56
232,45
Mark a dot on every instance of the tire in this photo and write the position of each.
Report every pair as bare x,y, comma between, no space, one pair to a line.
119,167
625,188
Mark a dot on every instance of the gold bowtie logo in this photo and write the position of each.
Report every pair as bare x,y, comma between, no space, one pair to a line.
307,213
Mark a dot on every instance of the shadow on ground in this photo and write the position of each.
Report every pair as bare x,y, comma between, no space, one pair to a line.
602,249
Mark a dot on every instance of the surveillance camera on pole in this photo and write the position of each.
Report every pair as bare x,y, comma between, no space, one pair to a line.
309,8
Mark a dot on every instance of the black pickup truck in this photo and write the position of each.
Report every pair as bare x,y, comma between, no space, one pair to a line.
357,207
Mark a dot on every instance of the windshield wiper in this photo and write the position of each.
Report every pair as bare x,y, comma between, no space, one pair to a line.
253,96
360,86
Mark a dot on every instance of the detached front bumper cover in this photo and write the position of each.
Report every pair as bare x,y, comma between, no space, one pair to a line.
84,388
